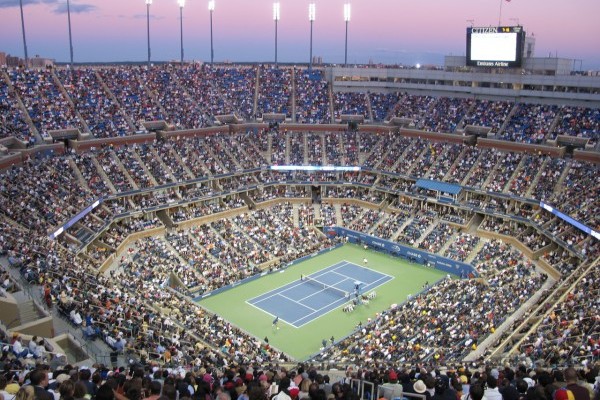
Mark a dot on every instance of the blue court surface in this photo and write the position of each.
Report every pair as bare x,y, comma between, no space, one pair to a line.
303,301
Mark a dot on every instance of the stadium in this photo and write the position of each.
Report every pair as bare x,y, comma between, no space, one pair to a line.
232,226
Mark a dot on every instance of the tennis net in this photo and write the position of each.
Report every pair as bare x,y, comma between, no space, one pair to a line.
325,286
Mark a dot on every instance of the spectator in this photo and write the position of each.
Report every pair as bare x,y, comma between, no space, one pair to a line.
492,392
572,380
27,393
39,382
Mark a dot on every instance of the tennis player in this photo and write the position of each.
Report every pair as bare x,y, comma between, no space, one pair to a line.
276,323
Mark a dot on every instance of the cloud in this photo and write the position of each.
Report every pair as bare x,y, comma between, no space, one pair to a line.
15,3
75,8
144,16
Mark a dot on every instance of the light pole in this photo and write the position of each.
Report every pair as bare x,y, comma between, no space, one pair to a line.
347,19
24,38
312,10
276,16
148,2
70,35
181,4
211,8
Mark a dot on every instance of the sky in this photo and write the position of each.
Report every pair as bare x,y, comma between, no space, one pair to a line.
382,31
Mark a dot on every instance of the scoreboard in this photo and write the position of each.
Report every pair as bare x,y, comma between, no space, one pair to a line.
495,47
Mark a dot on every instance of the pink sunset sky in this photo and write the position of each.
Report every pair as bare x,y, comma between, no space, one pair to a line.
387,31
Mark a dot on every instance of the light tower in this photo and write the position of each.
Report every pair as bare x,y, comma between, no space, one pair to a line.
211,9
347,19
24,37
181,5
148,3
312,10
276,16
70,35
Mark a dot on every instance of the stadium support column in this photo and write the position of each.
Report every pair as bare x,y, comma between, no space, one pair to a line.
311,18
347,19
148,3
276,16
211,8
24,36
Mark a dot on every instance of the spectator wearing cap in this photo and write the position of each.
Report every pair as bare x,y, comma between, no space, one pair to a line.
294,391
492,392
563,394
392,389
579,392
419,387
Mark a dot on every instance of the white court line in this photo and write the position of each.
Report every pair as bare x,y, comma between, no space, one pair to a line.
332,268
385,277
370,269
278,290
273,315
345,300
298,302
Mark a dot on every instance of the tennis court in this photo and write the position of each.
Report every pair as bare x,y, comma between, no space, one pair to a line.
302,301
306,339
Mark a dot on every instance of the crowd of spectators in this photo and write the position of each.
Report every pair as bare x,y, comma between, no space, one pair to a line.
413,107
549,177
578,191
445,114
446,155
382,104
129,86
488,113
530,123
256,237
391,223
437,238
312,97
417,227
47,105
275,91
350,103
524,179
569,332
579,121
12,118
110,99
443,323
496,256
101,113
315,149
462,246
502,174
180,108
